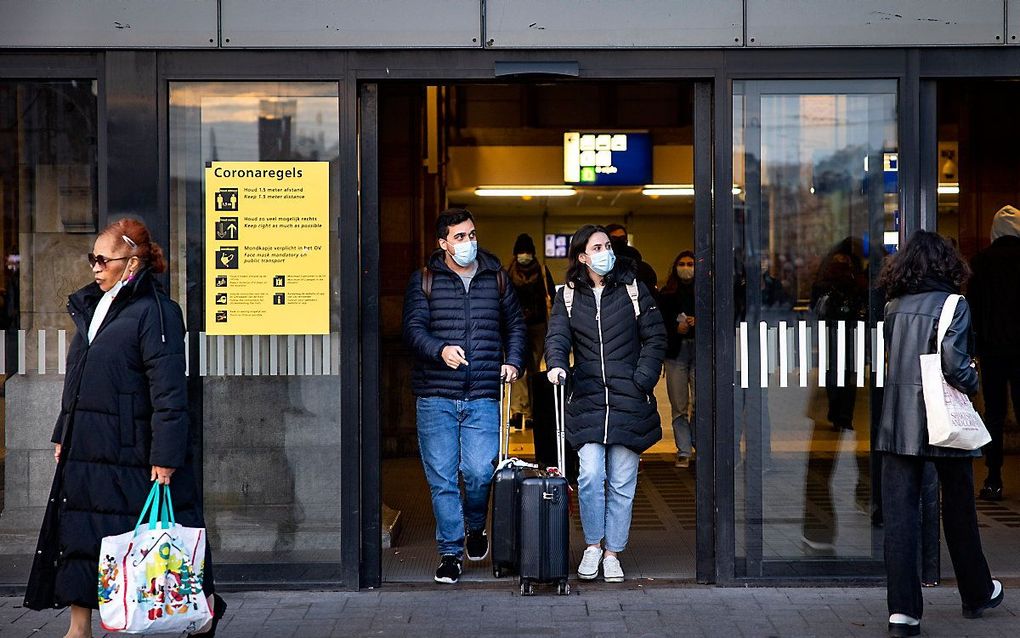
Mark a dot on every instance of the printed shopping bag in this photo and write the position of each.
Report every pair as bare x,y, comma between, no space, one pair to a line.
150,579
952,420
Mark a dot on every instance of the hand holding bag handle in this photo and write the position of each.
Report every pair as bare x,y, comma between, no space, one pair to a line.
160,510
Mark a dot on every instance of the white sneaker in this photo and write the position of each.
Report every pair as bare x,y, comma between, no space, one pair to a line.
589,567
612,572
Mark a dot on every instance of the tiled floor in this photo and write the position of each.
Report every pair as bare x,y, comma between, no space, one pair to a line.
798,503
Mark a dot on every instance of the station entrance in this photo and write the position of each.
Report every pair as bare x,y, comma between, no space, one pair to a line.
502,151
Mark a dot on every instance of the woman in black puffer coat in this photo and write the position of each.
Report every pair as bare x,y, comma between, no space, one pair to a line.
123,423
611,323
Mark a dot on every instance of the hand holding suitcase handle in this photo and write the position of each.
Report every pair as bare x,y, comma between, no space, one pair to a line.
560,403
557,376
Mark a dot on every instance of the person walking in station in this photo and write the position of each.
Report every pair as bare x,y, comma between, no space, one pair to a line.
464,324
994,295
676,301
612,324
534,286
918,280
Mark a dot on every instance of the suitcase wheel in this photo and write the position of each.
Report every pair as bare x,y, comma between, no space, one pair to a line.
497,571
527,588
563,588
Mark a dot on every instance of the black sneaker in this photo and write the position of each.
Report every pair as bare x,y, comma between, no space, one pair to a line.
991,492
477,545
994,601
449,570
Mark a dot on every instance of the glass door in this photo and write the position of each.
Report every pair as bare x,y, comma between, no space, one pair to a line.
816,212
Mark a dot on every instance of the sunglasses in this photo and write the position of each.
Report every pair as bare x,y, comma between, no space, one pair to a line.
102,261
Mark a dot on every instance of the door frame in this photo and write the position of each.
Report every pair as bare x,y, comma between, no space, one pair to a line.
371,460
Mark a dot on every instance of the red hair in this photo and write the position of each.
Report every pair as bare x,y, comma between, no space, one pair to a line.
147,251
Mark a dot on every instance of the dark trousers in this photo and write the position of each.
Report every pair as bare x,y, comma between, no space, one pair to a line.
1000,377
901,498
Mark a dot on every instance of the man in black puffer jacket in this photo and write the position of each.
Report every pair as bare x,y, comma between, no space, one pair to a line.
464,324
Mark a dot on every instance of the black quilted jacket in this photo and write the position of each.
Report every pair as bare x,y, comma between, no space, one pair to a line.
124,409
489,327
617,362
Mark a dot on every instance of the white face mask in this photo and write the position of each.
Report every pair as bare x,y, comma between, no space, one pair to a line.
525,259
465,253
602,262
685,273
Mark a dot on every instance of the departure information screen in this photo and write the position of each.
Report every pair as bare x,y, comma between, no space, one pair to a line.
607,158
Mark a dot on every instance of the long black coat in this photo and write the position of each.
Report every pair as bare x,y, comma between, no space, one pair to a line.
124,409
994,296
617,362
489,326
910,331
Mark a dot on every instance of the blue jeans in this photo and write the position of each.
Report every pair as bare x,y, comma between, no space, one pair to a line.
458,437
680,388
606,514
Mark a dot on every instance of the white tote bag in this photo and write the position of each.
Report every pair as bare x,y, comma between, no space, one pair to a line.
150,579
952,420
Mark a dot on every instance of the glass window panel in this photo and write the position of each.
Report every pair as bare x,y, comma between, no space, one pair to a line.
816,211
270,415
48,221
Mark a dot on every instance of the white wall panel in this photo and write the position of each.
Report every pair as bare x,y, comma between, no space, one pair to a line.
108,23
351,23
788,23
602,23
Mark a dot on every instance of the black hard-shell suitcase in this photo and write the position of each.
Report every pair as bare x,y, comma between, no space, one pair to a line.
545,521
506,500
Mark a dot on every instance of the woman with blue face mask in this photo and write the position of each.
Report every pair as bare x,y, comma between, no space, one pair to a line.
610,322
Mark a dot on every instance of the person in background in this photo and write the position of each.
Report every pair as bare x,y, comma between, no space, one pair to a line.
918,280
123,422
464,325
613,327
676,302
622,248
994,295
534,286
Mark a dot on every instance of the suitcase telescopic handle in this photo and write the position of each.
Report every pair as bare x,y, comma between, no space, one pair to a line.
505,391
559,402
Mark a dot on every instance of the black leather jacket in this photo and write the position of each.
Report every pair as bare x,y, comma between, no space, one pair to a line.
910,331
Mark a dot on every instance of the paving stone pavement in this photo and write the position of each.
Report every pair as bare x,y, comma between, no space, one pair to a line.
635,610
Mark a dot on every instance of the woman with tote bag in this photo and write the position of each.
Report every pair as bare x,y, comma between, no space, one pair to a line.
918,282
123,424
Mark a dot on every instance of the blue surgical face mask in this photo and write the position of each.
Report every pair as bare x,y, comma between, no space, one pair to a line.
465,253
602,262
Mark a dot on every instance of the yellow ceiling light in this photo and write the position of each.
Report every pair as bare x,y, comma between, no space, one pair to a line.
668,190
525,191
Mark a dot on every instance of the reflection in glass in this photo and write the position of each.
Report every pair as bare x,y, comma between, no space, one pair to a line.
48,217
816,168
270,405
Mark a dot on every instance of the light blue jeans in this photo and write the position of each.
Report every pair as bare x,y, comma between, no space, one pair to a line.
605,513
680,388
458,439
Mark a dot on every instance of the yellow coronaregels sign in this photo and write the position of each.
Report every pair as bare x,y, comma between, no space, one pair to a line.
267,248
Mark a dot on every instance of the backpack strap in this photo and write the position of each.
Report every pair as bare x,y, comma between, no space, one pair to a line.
568,297
426,281
632,290
501,281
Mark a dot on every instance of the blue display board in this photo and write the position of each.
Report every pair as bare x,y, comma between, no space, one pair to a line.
607,158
